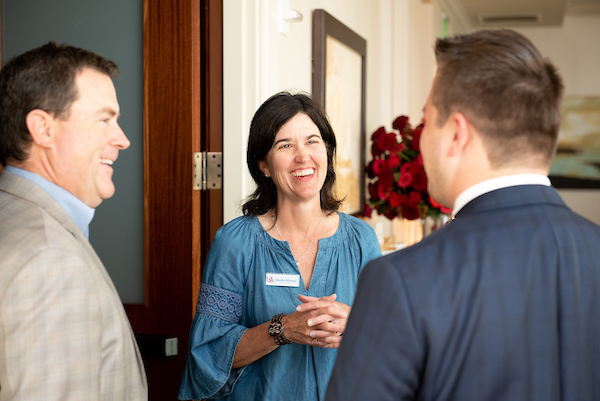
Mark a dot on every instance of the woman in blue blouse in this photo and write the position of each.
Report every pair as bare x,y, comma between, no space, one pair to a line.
279,281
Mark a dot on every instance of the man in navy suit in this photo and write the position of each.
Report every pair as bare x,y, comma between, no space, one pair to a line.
503,303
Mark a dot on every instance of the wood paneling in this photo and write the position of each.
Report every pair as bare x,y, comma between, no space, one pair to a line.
172,123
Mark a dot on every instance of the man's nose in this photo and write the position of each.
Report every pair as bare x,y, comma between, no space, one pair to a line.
120,139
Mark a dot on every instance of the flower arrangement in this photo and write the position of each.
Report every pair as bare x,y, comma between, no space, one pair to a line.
400,186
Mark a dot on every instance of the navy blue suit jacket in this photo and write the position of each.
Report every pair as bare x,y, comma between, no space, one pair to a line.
503,303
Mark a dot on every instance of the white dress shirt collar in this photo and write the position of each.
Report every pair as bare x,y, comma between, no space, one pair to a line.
493,184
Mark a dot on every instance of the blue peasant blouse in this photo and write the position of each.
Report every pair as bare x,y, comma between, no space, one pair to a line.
234,296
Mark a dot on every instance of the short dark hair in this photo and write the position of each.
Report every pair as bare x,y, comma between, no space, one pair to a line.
268,119
505,88
42,78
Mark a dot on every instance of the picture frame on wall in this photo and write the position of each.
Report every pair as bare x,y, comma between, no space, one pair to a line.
339,85
577,161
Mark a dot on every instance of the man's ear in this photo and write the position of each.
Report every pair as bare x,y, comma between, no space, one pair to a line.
461,134
262,165
39,123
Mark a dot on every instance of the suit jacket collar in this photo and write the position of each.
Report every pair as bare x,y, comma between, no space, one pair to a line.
517,196
27,190
31,192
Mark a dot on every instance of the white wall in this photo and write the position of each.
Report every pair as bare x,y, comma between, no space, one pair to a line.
426,27
575,49
259,61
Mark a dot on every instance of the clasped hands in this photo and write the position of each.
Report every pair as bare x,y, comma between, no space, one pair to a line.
317,321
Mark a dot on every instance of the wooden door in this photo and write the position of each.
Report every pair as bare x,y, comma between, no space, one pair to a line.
182,115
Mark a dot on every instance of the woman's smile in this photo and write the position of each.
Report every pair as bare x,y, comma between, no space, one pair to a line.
303,172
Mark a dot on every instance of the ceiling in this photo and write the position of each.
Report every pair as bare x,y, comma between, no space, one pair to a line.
507,13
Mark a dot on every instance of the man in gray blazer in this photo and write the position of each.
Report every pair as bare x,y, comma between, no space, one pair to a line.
64,334
503,303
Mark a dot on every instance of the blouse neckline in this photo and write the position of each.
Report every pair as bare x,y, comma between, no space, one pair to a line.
328,242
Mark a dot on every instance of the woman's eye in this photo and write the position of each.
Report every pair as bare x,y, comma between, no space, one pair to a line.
285,146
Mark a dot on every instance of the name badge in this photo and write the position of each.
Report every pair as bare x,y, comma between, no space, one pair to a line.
283,280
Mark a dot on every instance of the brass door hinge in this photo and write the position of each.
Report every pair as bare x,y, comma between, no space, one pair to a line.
208,170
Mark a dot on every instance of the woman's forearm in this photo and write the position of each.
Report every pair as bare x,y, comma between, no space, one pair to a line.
255,343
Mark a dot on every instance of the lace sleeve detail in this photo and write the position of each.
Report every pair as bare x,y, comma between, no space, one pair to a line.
219,303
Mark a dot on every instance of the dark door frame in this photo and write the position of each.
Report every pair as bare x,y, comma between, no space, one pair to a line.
183,110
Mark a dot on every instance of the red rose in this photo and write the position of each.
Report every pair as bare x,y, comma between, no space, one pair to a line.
394,199
400,123
405,179
373,191
379,166
369,170
406,168
419,181
416,167
386,180
393,161
386,141
367,212
397,163
433,202
380,131
390,213
375,152
382,192
443,209
414,196
410,211
416,139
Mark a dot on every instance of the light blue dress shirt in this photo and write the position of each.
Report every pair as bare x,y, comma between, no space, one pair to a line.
234,297
81,213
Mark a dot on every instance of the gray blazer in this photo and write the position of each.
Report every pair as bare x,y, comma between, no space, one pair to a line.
64,334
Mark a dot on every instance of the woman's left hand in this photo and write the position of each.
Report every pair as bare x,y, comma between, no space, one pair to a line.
327,332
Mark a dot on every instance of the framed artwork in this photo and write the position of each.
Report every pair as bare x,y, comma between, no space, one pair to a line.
577,161
339,84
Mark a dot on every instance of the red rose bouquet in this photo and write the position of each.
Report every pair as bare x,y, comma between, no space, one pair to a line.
400,184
